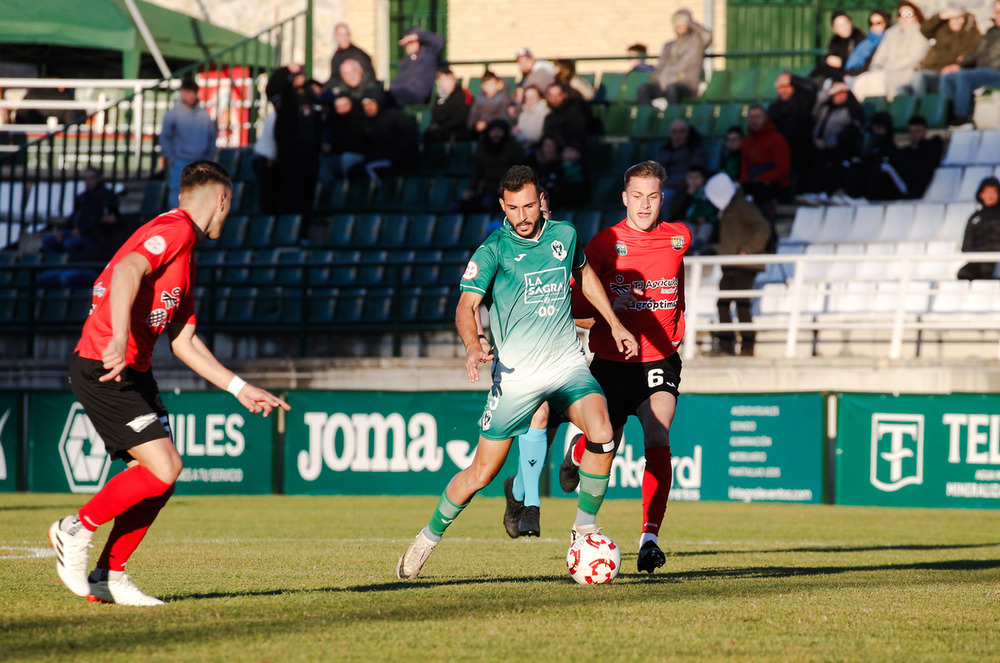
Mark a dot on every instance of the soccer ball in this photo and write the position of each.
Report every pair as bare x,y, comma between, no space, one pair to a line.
594,559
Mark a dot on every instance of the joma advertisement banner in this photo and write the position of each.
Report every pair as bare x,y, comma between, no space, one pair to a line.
745,448
915,450
225,449
10,447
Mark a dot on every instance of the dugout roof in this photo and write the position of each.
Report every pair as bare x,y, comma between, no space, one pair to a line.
56,34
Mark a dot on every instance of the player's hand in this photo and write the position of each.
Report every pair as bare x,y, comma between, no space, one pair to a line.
114,360
626,301
475,356
257,400
626,343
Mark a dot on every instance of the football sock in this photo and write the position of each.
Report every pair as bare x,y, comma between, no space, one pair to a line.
581,444
655,488
531,460
129,529
647,536
444,514
72,526
120,493
517,488
592,490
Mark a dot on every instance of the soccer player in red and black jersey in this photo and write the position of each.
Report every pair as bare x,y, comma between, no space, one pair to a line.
146,289
639,261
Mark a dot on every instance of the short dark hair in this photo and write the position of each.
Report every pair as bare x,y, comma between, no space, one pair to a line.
202,173
735,129
518,177
646,169
917,119
188,83
489,76
698,168
637,48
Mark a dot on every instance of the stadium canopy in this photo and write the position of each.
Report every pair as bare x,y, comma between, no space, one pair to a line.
97,38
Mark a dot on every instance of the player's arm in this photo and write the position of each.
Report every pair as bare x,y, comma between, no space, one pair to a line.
469,330
125,280
592,289
190,349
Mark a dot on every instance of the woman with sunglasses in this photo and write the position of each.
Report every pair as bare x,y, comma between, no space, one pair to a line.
902,48
861,57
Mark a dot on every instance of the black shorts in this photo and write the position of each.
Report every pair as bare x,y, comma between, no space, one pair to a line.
125,414
627,386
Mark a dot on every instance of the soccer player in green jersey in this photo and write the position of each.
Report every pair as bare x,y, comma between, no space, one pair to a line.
527,264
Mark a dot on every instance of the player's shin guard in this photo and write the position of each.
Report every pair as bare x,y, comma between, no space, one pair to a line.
531,459
128,531
592,490
120,493
444,514
655,488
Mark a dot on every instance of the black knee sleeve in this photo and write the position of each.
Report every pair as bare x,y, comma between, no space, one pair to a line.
600,448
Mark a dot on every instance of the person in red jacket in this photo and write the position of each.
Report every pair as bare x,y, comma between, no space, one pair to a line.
765,170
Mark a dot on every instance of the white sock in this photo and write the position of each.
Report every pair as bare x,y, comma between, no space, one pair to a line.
647,536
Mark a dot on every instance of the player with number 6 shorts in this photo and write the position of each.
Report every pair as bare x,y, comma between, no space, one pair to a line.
639,262
526,265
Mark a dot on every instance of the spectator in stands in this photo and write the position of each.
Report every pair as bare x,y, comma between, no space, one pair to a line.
953,34
693,208
491,103
91,233
843,41
450,114
540,73
576,86
391,138
531,118
298,131
861,57
792,114
347,50
343,142
678,72
42,115
765,168
265,165
546,161
354,80
743,230
570,186
873,175
639,63
498,151
917,161
980,68
567,118
188,135
731,158
902,48
414,81
982,232
684,148
837,137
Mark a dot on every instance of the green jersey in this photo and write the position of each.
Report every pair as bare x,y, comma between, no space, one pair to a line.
533,329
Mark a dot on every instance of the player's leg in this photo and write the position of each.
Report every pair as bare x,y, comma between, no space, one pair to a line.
655,416
590,414
531,447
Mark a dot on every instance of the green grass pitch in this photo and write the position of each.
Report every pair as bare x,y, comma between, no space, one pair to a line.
312,579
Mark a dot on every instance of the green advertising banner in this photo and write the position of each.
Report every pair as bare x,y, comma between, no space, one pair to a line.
225,449
917,450
10,447
747,448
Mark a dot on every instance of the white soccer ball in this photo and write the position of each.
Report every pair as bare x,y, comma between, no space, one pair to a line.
594,559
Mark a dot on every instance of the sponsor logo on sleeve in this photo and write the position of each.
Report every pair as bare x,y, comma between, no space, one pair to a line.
155,245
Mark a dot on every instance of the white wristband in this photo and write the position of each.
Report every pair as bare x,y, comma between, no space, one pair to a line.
235,385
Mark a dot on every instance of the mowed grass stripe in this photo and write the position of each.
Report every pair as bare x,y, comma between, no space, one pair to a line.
311,578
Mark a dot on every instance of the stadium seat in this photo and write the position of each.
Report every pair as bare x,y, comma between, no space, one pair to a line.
237,305
896,223
442,193
989,147
330,196
260,232
949,297
372,268
154,200
956,218
229,158
902,108
408,301
700,116
743,86
377,309
263,267
388,194
434,158
718,86
288,230
610,89
894,270
12,200
321,306
234,232
944,184
350,306
392,233
972,177
630,85
340,230
617,121
623,155
934,108
366,229
875,270
426,268
342,270
641,121
236,268
587,224
51,306
962,146
805,226
933,267
847,269
434,305
421,230
414,194
447,230
474,229
867,223
836,226
926,222
358,194
319,267
462,157
817,271
289,270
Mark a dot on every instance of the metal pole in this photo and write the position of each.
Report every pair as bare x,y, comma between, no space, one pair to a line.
147,37
308,64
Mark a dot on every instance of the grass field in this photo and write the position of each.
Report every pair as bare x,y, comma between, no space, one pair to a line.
312,579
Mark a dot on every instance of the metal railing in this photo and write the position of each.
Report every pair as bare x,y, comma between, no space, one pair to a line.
121,138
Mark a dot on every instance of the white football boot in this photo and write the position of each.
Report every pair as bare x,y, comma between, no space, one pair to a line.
582,530
72,554
118,588
413,559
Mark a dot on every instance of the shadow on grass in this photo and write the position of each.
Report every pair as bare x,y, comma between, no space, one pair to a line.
837,549
69,506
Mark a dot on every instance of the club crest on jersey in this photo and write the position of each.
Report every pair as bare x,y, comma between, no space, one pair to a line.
471,270
620,248
558,250
155,245
157,318
677,241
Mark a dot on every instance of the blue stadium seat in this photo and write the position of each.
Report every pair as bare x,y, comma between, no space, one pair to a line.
372,268
442,193
260,232
238,305
51,306
377,307
154,200
388,193
287,230
474,229
462,157
343,269
269,305
366,229
414,194
408,300
447,230
319,271
358,195
234,233
421,230
321,306
289,268
350,306
263,267
427,270
340,230
433,306
240,273
229,158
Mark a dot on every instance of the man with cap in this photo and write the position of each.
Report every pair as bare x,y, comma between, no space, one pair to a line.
743,230
417,70
188,135
347,50
540,73
679,69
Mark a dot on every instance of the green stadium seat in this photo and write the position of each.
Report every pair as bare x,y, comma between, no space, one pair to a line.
630,86
727,116
435,157
643,118
718,86
442,193
902,108
623,156
618,119
475,86
358,195
610,89
934,107
331,196
765,82
701,117
743,86
414,194
462,157
388,193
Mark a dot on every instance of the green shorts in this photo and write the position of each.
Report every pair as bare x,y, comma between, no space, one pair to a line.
511,404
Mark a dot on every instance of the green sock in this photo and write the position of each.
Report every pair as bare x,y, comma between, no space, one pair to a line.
592,490
444,514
